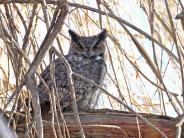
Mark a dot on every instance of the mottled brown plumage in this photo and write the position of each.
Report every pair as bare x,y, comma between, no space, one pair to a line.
86,57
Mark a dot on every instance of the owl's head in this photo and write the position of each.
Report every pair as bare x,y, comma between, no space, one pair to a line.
89,47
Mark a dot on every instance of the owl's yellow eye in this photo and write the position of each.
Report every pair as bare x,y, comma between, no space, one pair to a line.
95,47
79,47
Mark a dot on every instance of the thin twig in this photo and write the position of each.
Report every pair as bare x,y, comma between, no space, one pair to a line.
103,13
71,89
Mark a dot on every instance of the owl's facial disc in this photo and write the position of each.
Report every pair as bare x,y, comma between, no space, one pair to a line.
89,47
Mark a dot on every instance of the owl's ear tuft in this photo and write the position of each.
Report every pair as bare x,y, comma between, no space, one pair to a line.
74,36
102,35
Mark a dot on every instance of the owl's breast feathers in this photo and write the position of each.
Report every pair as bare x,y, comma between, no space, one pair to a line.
91,68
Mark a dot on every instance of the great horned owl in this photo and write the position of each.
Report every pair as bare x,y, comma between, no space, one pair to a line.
86,57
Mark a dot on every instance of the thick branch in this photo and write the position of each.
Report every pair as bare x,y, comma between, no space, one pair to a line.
111,124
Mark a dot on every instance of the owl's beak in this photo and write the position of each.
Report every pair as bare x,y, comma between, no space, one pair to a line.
88,54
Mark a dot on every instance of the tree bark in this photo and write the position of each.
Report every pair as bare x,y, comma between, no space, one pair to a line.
114,124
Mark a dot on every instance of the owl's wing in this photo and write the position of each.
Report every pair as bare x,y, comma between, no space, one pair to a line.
62,88
59,79
100,82
103,72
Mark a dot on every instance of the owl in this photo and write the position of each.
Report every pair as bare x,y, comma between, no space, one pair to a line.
86,57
